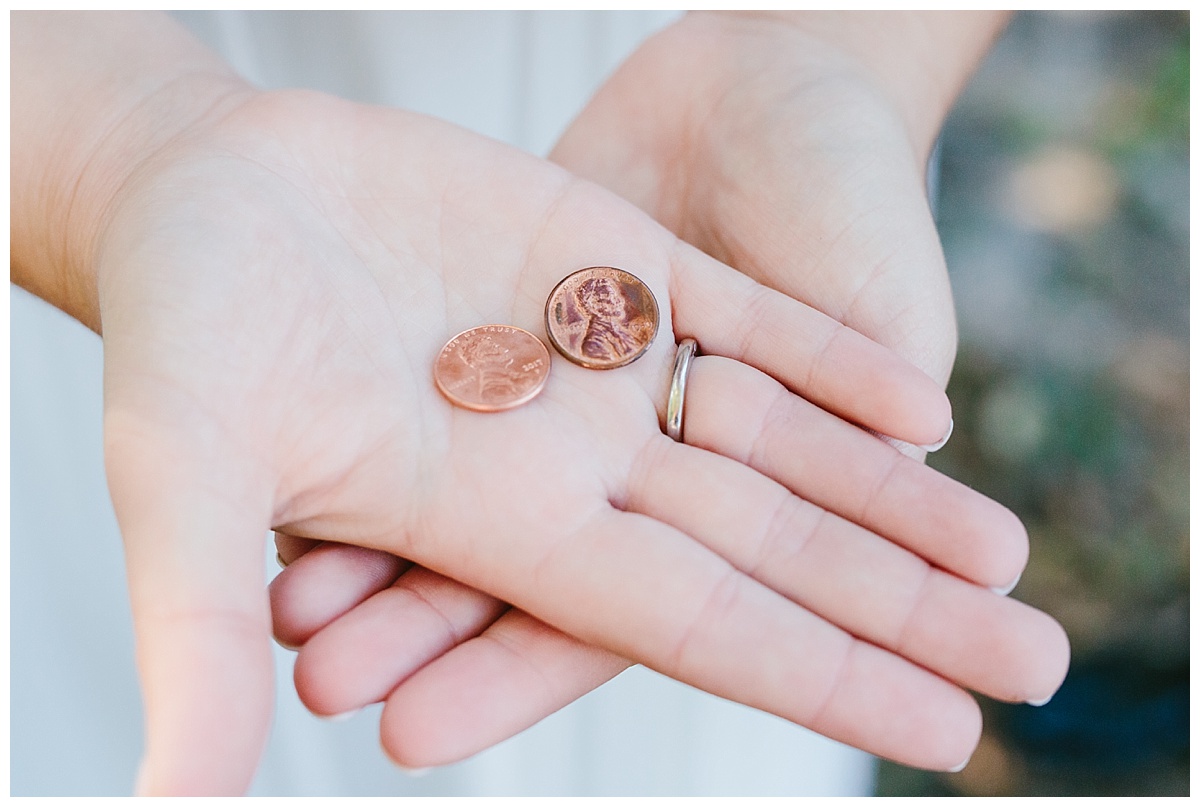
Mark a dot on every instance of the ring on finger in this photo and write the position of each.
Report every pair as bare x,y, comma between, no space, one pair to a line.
679,377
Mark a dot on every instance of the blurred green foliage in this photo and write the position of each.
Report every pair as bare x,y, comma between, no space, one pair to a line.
1064,213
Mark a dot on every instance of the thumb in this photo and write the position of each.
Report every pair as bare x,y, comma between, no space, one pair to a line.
193,530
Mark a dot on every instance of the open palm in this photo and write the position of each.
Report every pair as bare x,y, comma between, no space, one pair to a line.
274,286
765,141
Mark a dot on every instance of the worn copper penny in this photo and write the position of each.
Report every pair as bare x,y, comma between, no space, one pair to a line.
492,368
601,317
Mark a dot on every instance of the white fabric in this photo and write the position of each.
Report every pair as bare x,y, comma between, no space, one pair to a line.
76,714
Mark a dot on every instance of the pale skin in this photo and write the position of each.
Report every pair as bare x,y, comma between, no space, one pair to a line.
273,274
807,136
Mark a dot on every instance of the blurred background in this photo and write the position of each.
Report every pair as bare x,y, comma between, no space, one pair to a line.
1064,212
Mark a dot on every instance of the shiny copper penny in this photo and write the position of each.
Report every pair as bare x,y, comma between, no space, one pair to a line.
601,317
492,368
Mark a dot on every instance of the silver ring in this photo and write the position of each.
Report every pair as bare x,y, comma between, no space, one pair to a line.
683,364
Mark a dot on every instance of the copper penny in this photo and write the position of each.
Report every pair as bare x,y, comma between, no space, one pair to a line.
601,317
492,368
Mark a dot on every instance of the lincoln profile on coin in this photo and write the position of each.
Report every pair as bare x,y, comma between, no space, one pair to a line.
601,317
606,337
492,364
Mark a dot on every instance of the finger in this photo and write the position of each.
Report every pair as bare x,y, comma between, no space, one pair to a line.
488,689
194,557
684,611
325,583
415,636
742,414
815,356
362,656
851,577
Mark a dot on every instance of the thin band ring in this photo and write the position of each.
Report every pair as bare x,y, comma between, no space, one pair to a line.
683,364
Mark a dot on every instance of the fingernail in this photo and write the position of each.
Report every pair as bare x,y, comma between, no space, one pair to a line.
1004,591
340,718
1042,702
279,559
415,772
935,446
285,645
959,766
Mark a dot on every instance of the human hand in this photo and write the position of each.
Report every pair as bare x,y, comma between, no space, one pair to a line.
273,285
233,265
766,173
793,147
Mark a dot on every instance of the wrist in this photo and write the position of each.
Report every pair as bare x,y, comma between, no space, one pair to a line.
94,97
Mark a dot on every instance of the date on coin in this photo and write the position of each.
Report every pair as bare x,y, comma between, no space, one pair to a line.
601,317
492,368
